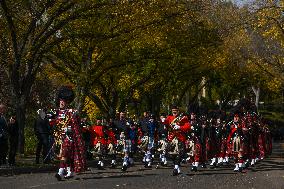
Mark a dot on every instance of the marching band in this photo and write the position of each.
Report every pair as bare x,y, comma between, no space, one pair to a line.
200,138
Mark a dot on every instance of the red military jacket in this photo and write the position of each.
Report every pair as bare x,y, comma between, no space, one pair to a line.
111,137
181,133
98,134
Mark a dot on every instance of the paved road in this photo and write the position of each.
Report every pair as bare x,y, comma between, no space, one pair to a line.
268,174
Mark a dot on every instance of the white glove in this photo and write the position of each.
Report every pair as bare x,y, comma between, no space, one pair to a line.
176,127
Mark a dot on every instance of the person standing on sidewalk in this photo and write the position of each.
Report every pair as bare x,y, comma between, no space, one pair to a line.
42,132
3,135
13,130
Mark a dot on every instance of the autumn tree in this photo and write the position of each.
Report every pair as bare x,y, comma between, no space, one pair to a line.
29,29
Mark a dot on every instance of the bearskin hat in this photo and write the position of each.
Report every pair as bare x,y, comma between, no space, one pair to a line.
152,116
174,107
65,93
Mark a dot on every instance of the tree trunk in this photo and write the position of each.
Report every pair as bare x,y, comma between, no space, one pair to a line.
81,93
256,91
21,118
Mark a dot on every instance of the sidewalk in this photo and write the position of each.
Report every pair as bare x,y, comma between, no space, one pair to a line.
26,165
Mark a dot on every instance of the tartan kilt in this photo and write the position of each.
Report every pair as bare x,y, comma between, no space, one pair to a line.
119,146
223,147
162,145
128,146
194,150
214,147
144,143
175,147
66,150
147,143
236,146
99,149
111,148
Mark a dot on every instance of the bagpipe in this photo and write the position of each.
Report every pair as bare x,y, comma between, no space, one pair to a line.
59,125
175,122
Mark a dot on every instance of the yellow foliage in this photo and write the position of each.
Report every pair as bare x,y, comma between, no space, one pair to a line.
274,84
91,109
136,94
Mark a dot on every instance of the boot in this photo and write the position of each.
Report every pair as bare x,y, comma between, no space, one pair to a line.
252,163
113,163
100,165
148,160
60,174
236,168
125,163
176,170
124,166
241,167
194,166
70,174
203,165
213,163
226,161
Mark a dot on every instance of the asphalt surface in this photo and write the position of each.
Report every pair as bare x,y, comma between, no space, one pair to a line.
267,174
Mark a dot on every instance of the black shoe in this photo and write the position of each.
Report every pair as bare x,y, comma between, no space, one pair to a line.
112,165
68,177
203,165
175,172
213,166
147,166
124,168
219,164
183,161
194,168
59,178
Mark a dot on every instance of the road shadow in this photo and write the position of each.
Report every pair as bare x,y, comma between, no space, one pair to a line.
116,176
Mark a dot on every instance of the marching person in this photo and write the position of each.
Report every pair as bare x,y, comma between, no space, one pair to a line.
235,142
162,140
99,140
194,138
150,133
178,126
68,136
111,142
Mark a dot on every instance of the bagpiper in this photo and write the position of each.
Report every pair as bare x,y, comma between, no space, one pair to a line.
235,142
99,140
198,138
149,135
162,140
128,139
178,126
69,145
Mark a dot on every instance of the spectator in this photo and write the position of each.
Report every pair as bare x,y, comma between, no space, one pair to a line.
42,132
3,135
13,130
